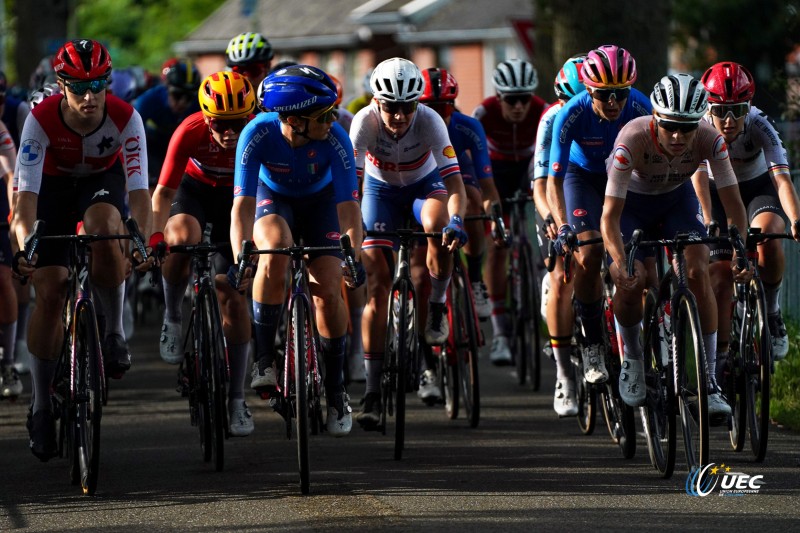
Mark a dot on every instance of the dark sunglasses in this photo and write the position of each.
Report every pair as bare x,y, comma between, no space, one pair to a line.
443,108
327,115
253,71
82,87
514,99
399,107
672,126
735,110
222,125
180,94
604,95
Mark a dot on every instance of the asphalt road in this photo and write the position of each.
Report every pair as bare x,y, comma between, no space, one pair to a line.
522,469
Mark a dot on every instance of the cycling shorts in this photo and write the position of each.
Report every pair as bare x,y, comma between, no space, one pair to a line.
63,200
386,208
5,236
758,196
313,219
510,177
208,205
584,194
661,216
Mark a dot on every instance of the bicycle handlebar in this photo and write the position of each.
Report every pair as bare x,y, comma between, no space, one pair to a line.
36,236
349,254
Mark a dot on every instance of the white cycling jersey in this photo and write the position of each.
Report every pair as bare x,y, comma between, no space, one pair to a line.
756,150
540,163
406,160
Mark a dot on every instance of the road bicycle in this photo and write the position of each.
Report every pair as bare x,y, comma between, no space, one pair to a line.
204,372
79,384
297,397
523,289
675,361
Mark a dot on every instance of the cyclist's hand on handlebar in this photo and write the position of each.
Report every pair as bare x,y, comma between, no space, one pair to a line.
741,275
453,234
560,242
21,269
550,227
361,275
158,248
796,230
620,277
238,281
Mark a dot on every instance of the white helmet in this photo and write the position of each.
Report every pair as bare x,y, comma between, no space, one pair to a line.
680,96
35,97
397,80
515,76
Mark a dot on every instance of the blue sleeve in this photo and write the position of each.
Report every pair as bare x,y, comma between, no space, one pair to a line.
472,137
252,141
343,165
564,126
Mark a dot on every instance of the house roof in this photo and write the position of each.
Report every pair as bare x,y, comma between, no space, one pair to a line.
337,24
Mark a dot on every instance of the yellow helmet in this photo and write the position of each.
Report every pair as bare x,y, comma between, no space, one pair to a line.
226,95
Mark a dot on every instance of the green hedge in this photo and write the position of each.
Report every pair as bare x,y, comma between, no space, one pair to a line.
785,404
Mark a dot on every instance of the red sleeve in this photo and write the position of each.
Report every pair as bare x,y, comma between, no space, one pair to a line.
182,145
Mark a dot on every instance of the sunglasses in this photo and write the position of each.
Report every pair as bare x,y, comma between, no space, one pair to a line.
443,108
514,99
736,111
327,115
82,87
222,125
180,94
673,126
393,108
604,95
253,71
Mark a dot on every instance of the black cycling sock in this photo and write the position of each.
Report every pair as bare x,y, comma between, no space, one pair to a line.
474,265
333,353
266,318
591,320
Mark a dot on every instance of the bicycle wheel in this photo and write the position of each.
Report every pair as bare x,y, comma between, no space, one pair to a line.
448,379
757,357
88,395
402,316
214,374
466,341
658,414
691,390
619,417
299,314
199,390
531,317
586,397
734,385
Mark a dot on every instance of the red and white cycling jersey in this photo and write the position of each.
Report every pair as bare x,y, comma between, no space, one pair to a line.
509,141
756,150
403,161
48,146
6,151
638,164
192,150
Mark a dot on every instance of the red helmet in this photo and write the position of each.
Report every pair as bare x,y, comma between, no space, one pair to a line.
728,83
339,89
82,59
439,85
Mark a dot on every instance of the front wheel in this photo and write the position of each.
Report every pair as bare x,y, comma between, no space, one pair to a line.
585,396
466,341
88,397
217,377
300,339
757,357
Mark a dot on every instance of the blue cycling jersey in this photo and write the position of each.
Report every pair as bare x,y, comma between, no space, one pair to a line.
466,133
262,153
582,138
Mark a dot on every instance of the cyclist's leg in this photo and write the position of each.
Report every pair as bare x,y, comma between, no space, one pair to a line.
22,356
560,317
474,249
11,385
719,270
771,263
433,217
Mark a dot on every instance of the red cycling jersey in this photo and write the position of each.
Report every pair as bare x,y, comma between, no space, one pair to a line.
509,141
193,151
48,146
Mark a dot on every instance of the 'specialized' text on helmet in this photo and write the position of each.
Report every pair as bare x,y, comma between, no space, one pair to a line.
297,90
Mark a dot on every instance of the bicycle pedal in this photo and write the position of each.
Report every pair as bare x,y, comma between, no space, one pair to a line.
719,420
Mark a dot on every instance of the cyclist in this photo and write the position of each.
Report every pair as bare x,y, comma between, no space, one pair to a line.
509,119
10,384
13,111
250,55
407,162
363,100
291,162
765,184
649,187
165,106
196,189
469,141
79,152
345,117
587,126
556,295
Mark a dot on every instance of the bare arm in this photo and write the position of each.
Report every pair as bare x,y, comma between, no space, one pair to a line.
610,229
242,220
350,223
555,200
142,210
456,195
788,195
162,200
702,190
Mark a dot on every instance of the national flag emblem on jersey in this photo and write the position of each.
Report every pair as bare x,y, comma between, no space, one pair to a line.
30,153
312,168
449,151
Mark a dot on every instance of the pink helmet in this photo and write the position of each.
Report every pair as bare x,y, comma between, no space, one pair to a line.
609,66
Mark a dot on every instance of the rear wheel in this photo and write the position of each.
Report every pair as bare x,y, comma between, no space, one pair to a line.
619,417
532,332
466,341
757,357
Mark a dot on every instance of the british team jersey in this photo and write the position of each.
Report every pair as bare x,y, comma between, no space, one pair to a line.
48,146
507,141
193,151
582,138
756,150
399,162
638,164
263,153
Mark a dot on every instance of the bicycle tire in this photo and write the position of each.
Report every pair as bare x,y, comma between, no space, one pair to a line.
532,317
449,382
200,396
658,414
516,313
734,385
757,359
216,375
299,314
88,395
466,342
405,339
586,398
691,391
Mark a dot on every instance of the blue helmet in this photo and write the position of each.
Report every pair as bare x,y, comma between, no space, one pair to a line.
569,81
297,90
